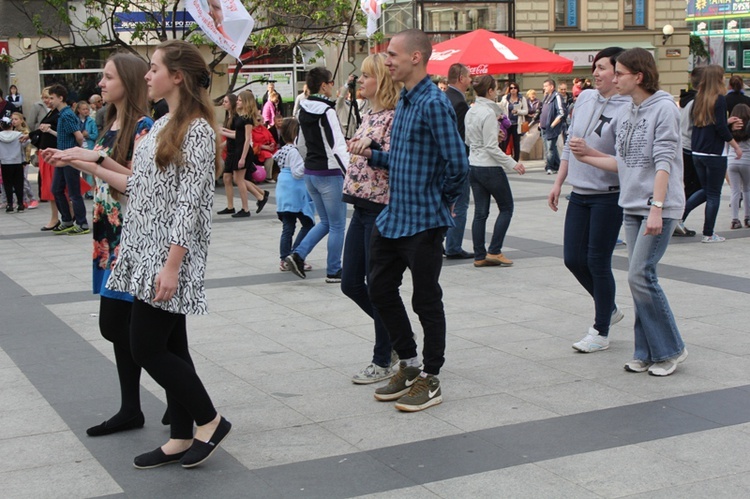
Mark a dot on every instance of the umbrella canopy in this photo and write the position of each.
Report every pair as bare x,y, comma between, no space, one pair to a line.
485,52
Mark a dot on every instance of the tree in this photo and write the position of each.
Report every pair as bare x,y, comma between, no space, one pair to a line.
281,26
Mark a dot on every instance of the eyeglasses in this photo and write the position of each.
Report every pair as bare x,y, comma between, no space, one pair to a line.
619,73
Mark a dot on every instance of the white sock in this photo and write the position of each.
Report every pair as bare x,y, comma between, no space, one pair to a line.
413,362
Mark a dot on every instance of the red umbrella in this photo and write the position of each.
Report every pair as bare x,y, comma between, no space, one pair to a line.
485,52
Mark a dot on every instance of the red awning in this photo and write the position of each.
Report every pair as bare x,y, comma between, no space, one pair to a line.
485,52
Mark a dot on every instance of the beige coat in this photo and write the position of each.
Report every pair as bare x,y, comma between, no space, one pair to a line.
522,107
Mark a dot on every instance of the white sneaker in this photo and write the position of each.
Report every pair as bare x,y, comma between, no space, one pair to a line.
713,238
668,366
637,366
617,316
372,374
394,359
592,342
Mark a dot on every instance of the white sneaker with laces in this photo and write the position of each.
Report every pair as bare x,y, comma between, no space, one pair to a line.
713,238
668,366
592,342
617,316
637,366
372,374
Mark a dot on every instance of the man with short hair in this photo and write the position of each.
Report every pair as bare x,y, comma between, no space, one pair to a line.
459,80
551,125
427,166
68,136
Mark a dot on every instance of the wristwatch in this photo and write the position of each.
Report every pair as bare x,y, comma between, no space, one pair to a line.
657,204
102,157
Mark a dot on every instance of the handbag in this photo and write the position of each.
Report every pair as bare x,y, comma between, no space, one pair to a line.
524,127
36,138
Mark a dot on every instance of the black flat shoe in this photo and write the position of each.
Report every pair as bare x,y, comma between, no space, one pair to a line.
45,228
200,451
464,255
261,203
225,211
105,429
157,458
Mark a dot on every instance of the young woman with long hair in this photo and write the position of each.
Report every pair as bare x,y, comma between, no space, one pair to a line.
164,244
515,106
366,188
126,122
710,133
648,161
46,171
247,110
232,172
593,218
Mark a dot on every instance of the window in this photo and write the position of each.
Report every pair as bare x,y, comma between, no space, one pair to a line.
635,14
566,14
459,17
78,69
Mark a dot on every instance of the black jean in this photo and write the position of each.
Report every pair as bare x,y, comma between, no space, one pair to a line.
13,182
159,342
422,254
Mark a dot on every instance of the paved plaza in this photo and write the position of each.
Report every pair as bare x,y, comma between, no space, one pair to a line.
524,415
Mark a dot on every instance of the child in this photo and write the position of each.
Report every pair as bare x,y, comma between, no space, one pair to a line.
292,199
19,125
11,163
738,170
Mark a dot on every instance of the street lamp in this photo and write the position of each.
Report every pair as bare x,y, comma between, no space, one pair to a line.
668,31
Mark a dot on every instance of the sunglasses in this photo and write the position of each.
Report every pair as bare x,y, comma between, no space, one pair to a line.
514,88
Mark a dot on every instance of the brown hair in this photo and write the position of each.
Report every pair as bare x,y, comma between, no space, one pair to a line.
640,60
232,112
736,83
130,69
742,111
709,89
289,130
182,57
483,84
250,107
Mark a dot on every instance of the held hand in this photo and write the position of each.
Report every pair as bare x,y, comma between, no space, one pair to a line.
735,123
23,138
165,285
554,197
520,168
241,164
738,152
653,223
578,146
44,128
77,154
358,146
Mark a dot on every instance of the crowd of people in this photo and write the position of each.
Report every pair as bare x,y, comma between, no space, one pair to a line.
408,165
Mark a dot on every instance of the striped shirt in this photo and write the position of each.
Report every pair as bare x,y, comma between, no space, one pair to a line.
427,163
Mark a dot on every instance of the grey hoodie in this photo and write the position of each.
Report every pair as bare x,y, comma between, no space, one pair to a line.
595,119
11,150
648,140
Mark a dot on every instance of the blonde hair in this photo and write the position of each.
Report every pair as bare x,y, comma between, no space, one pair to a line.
23,127
250,107
182,57
388,90
531,93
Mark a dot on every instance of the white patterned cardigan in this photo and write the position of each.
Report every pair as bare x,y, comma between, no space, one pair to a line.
168,207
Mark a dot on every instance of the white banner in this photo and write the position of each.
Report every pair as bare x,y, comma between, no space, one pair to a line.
226,22
372,10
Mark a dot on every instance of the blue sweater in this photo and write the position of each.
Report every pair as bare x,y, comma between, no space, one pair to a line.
710,139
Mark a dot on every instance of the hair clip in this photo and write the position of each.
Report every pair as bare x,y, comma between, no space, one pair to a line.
204,80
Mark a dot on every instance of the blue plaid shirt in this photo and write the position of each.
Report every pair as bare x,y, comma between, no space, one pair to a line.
67,125
427,163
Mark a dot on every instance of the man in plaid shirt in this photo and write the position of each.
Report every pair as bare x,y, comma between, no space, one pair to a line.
427,166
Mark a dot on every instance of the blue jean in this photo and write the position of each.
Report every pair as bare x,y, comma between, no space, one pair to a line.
489,182
355,278
711,171
592,224
656,335
67,176
551,154
326,194
289,224
455,235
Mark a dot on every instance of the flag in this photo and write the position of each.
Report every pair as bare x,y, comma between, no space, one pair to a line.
372,10
226,22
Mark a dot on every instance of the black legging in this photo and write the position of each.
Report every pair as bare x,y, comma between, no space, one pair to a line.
114,324
13,182
159,342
